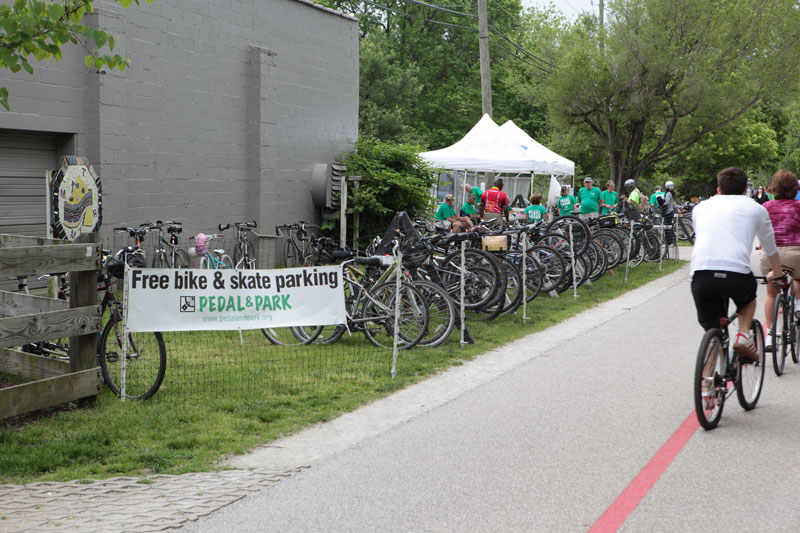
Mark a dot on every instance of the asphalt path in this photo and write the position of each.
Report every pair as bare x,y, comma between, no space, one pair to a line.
551,443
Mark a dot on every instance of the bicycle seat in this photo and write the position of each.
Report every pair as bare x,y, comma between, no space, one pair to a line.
219,251
369,261
175,229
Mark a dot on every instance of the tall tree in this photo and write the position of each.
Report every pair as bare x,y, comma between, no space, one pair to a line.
669,73
38,29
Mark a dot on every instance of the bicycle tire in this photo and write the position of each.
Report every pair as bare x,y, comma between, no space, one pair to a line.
441,313
792,340
160,260
483,279
534,276
552,263
378,316
227,262
244,253
291,335
581,234
145,368
602,263
709,408
612,246
652,246
750,378
780,335
290,256
180,259
205,263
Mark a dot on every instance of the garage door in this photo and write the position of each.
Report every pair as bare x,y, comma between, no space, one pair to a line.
24,158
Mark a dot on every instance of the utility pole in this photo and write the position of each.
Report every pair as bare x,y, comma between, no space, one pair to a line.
483,48
602,27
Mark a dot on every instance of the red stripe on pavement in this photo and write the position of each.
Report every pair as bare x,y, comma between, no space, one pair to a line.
626,502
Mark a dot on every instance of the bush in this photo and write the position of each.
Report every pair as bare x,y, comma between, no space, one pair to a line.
393,178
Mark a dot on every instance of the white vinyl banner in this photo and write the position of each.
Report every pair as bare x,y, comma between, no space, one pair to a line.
193,299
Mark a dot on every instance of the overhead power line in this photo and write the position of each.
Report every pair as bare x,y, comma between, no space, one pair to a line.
519,57
518,47
415,17
444,9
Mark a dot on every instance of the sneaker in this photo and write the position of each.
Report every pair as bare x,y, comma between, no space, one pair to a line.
797,308
746,349
768,341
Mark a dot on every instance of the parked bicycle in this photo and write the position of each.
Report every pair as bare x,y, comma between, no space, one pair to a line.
214,259
297,246
168,254
244,256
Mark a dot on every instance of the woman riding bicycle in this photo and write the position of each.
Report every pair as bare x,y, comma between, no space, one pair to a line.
784,212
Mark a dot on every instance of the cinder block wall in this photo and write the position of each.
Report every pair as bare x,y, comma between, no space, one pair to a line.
226,108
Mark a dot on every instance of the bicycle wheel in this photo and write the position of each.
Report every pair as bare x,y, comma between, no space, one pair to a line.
146,361
290,252
160,260
482,278
227,262
652,246
553,265
751,376
686,222
180,259
602,262
244,256
205,262
780,334
581,234
612,246
441,313
378,316
709,396
792,320
292,336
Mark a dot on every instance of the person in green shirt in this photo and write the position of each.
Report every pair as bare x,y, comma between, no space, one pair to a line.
589,198
609,199
566,202
536,211
446,216
468,209
475,191
655,195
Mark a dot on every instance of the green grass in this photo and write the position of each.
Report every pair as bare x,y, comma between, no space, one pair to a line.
224,397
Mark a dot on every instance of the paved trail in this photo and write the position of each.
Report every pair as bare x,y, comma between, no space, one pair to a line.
548,439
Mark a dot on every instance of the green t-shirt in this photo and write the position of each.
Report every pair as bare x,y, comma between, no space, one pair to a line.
654,196
468,209
566,204
444,212
589,199
609,198
477,192
535,212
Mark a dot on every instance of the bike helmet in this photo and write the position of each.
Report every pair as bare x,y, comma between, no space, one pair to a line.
669,185
630,183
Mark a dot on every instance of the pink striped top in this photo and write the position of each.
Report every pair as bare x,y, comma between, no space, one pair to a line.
785,217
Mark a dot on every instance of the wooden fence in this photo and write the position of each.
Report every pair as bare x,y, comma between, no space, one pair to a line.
27,318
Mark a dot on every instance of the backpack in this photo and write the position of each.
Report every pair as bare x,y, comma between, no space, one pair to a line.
644,202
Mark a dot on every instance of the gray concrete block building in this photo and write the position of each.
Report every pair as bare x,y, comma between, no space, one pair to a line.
226,108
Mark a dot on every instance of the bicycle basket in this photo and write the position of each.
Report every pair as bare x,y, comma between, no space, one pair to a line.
201,244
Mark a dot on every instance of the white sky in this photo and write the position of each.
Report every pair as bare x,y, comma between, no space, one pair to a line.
570,8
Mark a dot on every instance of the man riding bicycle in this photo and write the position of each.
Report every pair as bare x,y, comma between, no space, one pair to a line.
725,226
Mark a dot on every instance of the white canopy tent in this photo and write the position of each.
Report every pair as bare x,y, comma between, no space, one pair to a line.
488,147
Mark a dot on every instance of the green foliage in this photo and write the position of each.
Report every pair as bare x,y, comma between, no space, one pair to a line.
666,74
37,29
393,178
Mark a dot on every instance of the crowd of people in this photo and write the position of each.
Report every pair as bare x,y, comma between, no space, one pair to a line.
493,205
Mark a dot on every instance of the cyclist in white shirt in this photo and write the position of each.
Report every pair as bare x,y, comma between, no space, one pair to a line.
725,226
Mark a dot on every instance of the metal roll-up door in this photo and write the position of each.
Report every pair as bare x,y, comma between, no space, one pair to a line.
24,158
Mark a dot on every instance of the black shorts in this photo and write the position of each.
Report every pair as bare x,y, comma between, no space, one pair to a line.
711,290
